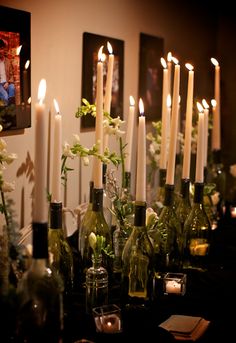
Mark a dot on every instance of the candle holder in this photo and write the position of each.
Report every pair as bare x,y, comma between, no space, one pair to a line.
107,319
174,283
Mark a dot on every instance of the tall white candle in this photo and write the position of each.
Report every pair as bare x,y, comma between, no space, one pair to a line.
129,135
164,118
108,89
200,146
213,137
216,130
57,152
206,115
141,156
169,67
174,127
26,83
40,159
99,121
188,124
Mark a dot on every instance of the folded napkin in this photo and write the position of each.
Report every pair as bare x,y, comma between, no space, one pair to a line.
185,327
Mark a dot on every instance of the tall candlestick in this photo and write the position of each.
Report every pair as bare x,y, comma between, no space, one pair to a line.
141,157
26,83
216,137
57,152
99,121
164,118
174,127
188,124
108,90
129,135
40,199
200,146
206,115
169,67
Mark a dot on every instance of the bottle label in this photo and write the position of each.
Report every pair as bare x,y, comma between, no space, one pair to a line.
199,247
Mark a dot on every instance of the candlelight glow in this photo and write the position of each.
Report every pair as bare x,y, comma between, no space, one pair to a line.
175,60
100,54
205,104
169,57
27,63
109,48
42,90
29,100
131,101
168,101
189,66
56,106
18,49
199,107
163,62
141,107
179,99
214,61
213,103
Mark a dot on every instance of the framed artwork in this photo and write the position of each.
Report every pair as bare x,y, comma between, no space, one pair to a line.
150,75
91,45
15,71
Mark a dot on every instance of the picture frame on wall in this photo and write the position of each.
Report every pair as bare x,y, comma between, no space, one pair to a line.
150,75
15,82
91,45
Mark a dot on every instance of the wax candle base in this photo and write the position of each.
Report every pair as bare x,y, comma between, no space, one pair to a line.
174,283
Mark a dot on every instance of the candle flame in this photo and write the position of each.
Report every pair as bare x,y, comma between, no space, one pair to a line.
131,101
179,99
168,101
163,62
56,106
189,66
29,100
100,54
169,56
42,90
199,107
175,60
109,48
141,107
18,49
205,104
213,103
214,61
27,63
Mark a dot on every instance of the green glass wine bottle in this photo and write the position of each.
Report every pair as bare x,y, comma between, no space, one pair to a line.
40,296
184,206
137,258
60,253
197,234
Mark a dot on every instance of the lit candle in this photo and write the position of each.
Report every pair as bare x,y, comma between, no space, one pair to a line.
206,115
108,89
129,134
169,67
111,323
213,138
40,199
141,158
178,129
173,286
188,124
200,145
99,121
199,247
216,139
164,119
174,126
57,152
26,83
233,212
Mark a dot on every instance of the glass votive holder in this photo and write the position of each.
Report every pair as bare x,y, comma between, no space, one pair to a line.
174,283
107,318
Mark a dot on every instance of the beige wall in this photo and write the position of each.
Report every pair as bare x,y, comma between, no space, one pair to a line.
56,54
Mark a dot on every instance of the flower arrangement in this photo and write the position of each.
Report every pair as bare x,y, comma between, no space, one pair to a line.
98,245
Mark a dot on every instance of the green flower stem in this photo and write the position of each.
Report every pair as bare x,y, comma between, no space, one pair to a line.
4,208
122,162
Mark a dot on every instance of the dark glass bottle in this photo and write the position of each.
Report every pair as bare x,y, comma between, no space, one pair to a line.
40,296
184,205
197,234
137,258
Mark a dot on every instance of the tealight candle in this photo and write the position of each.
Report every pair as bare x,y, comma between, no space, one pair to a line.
233,212
173,286
111,323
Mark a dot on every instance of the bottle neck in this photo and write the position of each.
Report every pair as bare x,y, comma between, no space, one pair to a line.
162,176
104,174
91,186
40,240
198,193
185,188
97,200
55,215
169,195
140,214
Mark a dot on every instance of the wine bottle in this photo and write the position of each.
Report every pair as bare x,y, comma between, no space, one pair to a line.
60,253
40,296
166,236
137,258
197,234
184,206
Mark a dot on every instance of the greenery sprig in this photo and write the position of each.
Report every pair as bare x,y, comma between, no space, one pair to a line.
98,245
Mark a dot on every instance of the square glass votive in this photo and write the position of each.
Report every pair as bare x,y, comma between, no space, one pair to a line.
107,318
174,283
